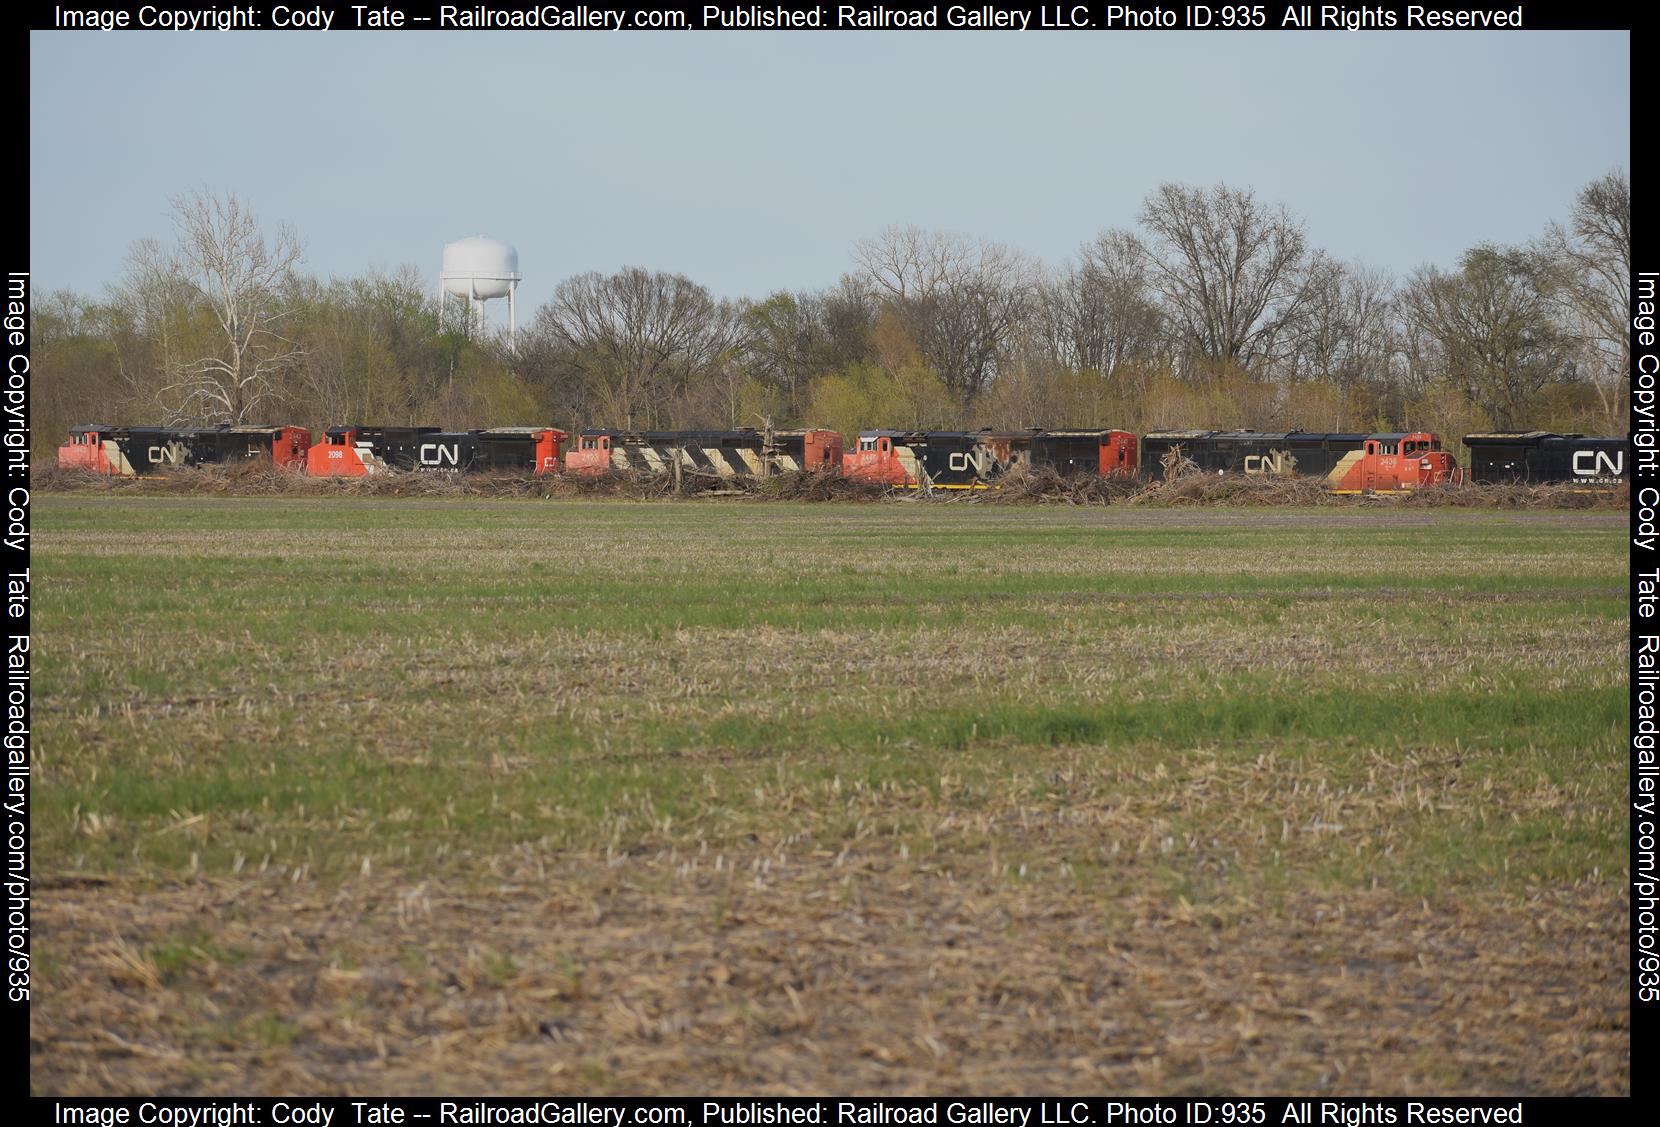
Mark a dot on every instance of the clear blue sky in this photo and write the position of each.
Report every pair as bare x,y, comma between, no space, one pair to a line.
753,161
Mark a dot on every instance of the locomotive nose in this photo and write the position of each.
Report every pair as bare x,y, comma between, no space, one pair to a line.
1438,469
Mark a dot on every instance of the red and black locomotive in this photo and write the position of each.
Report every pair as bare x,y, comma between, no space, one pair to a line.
134,451
1346,462
357,451
974,459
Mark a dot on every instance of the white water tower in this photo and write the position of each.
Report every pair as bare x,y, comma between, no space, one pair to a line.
480,269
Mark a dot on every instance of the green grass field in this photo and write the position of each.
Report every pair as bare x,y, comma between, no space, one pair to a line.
516,796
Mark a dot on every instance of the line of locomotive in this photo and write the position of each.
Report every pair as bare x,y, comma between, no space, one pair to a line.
1344,462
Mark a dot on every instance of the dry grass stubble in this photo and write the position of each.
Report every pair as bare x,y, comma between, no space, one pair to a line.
749,908
854,971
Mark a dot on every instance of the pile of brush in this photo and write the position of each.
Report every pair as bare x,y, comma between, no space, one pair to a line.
818,485
1519,496
627,485
1025,485
1185,483
262,479
1234,490
241,479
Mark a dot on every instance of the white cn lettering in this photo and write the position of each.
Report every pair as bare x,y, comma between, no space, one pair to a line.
1601,461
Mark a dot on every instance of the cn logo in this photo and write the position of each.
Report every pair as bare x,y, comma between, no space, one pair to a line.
1599,463
1275,461
439,454
162,455
969,463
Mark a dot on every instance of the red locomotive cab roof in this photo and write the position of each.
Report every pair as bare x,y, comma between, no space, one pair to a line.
1429,439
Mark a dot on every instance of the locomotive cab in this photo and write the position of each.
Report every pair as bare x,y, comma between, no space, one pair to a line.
340,454
1395,463
591,455
877,459
91,448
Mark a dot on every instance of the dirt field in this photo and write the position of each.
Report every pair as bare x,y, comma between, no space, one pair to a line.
472,796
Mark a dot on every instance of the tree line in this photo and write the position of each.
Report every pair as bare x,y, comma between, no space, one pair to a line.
1214,311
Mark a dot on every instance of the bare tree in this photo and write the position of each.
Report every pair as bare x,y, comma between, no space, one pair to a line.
1589,270
779,336
1233,271
153,321
1100,312
74,353
1493,325
959,299
373,349
640,340
223,256
1346,332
